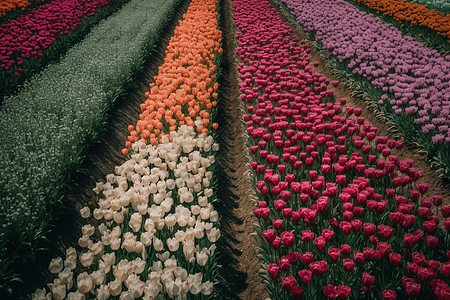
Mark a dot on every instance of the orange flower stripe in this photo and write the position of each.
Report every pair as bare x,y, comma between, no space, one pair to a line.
417,14
185,89
10,5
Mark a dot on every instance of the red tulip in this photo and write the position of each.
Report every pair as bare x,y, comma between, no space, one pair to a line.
307,236
432,242
269,235
274,271
429,226
277,223
276,243
418,258
297,292
306,258
395,259
346,227
445,270
384,248
426,274
345,249
369,229
334,254
305,275
359,257
368,253
437,200
285,195
333,222
389,295
368,279
348,264
409,240
412,268
320,243
284,263
412,289
293,257
344,292
319,268
330,291
288,283
327,234
423,187
288,238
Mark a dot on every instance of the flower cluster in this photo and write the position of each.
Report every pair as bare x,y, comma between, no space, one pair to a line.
413,76
29,35
339,212
417,14
11,5
158,225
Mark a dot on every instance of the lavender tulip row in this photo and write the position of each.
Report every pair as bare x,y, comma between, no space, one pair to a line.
413,77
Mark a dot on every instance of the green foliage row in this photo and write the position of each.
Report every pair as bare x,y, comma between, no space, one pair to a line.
47,127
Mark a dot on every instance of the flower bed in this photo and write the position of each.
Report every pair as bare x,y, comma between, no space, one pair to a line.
340,214
408,81
58,114
31,41
12,5
160,227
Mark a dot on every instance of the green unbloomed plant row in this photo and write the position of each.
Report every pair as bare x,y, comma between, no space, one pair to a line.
47,127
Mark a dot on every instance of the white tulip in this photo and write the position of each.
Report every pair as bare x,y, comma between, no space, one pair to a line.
183,220
138,266
56,265
170,220
146,238
166,205
70,263
208,192
172,289
213,235
116,204
103,229
180,235
158,245
170,183
102,292
98,277
198,187
189,234
155,213
195,209
41,295
172,244
207,288
115,233
104,266
195,287
135,222
97,248
199,233
143,208
139,247
84,283
115,287
115,243
180,273
149,225
122,270
206,182
109,258
58,291
188,249
152,288
191,221
98,213
160,224
167,276
106,239
129,244
204,213
118,217
171,263
86,259
108,214
85,213
66,276
215,147
83,241
214,216
202,258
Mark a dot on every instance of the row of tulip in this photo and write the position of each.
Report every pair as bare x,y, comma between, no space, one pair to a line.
439,5
339,212
415,14
159,227
64,108
11,5
32,40
408,81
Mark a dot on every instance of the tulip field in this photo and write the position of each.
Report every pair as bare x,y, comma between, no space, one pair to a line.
333,116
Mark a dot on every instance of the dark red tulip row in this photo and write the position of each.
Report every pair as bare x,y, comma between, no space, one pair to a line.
334,201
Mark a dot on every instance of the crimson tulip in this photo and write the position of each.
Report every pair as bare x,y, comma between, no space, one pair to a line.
330,291
274,271
318,268
305,275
